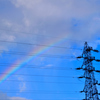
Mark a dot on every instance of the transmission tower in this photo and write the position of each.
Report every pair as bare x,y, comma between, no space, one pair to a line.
90,89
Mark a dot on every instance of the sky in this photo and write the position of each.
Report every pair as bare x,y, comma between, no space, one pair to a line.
39,40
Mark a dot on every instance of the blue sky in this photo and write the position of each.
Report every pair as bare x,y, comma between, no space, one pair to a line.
41,22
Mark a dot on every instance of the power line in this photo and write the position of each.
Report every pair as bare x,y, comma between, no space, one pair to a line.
42,75
51,91
23,53
42,35
39,91
58,68
29,33
42,55
38,34
38,45
48,55
41,82
38,67
50,99
42,93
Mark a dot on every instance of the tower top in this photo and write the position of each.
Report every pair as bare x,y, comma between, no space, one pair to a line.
86,43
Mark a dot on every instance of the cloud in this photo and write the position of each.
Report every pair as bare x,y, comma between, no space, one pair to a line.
76,19
22,87
63,8
17,98
3,96
22,84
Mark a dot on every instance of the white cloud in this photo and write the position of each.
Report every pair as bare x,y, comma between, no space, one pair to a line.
17,98
22,87
77,19
3,96
22,84
59,17
49,65
64,8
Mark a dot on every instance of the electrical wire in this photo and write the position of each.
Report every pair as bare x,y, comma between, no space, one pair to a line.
42,93
43,75
40,82
39,91
37,67
39,45
29,33
58,68
8,52
37,34
43,55
24,53
51,91
51,99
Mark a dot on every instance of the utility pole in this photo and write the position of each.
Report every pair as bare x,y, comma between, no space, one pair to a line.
90,89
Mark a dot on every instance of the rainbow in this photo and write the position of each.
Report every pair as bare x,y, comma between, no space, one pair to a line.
20,63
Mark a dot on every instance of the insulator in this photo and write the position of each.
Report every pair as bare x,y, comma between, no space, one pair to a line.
78,68
95,50
90,70
81,91
85,57
95,93
90,58
97,71
98,93
94,83
81,77
88,77
79,57
89,49
97,60
85,69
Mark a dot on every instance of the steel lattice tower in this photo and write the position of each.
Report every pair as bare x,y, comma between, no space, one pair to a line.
90,89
